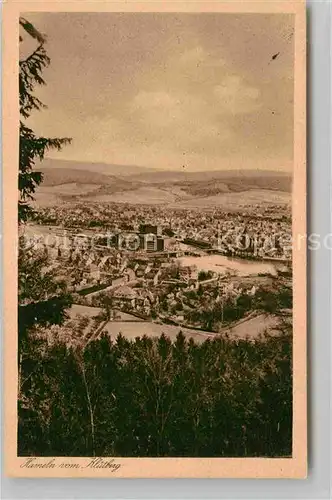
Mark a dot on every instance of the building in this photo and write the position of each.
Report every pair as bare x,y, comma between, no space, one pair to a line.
150,229
148,242
150,245
160,244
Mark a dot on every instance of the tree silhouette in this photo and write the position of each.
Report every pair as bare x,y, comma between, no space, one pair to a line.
32,147
42,299
151,397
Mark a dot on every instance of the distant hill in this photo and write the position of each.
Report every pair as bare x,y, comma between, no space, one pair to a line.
258,178
80,183
58,176
211,183
230,183
100,168
65,181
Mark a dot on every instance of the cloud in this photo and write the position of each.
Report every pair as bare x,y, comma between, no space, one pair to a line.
234,96
157,109
175,121
185,107
197,58
157,100
156,89
187,102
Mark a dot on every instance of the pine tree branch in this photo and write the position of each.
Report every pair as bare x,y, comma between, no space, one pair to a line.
40,48
32,31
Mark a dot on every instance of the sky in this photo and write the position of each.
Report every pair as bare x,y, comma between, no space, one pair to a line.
169,91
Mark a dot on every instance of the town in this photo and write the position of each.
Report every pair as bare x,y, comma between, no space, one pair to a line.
201,271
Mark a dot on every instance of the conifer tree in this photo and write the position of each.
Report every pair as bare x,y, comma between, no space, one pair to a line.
42,300
32,147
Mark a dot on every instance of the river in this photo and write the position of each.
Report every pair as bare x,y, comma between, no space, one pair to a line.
221,264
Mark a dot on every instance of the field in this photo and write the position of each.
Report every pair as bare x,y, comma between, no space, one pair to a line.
72,181
150,195
131,327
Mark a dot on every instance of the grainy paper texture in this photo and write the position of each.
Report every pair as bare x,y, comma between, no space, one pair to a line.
183,116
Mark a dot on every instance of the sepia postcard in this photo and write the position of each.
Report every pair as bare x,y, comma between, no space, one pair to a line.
155,249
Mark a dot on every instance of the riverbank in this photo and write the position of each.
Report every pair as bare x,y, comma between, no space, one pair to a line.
222,264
